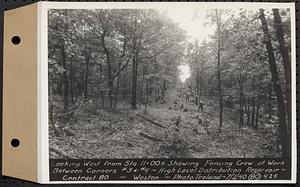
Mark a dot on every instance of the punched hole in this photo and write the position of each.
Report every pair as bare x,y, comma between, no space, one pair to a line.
16,40
15,142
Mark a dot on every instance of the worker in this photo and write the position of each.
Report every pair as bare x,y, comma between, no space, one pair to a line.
200,105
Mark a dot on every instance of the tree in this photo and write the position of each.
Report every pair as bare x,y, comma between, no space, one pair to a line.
216,17
276,86
285,60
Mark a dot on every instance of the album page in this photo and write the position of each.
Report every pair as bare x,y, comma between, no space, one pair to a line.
185,92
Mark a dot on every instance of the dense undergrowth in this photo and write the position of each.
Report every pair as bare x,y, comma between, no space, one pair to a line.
184,133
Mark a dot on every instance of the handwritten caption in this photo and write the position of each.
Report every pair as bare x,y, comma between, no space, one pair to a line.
168,169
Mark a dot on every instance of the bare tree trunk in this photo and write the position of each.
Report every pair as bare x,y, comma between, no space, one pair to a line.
253,101
270,102
247,110
241,102
81,81
87,60
142,86
286,63
72,81
136,45
257,108
201,86
65,77
65,73
134,81
117,88
218,15
59,85
51,115
102,92
147,96
110,80
163,90
205,88
220,93
284,139
197,83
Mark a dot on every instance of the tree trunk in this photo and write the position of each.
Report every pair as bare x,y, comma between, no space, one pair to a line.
286,63
205,87
87,60
110,81
102,92
65,77
284,139
134,80
270,102
147,96
220,92
163,90
218,15
117,88
110,91
65,73
151,121
51,116
59,85
253,101
142,86
72,81
201,86
241,103
136,45
257,108
81,82
197,83
247,110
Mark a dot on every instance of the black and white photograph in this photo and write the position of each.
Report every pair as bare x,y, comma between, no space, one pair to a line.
170,83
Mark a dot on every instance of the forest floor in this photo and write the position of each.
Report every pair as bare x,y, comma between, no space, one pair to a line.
124,133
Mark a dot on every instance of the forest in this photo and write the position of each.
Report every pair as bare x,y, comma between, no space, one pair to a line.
115,89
